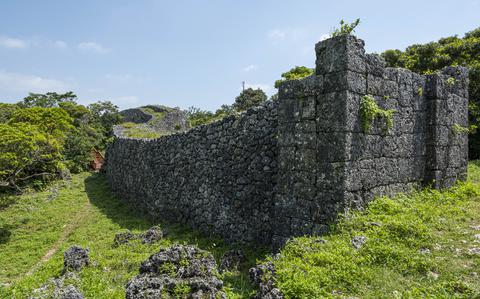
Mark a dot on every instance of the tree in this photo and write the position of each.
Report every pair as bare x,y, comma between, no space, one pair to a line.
249,98
48,100
54,121
104,116
27,153
6,111
448,51
298,72
105,113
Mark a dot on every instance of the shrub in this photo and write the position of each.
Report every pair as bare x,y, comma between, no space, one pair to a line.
27,153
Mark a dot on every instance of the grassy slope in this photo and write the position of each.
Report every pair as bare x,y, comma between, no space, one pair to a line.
388,265
417,247
85,213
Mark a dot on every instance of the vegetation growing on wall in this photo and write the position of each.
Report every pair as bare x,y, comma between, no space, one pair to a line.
298,72
134,130
369,111
345,28
453,50
246,99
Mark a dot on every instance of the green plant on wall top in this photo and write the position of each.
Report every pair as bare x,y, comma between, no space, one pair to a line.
451,81
345,28
458,129
369,111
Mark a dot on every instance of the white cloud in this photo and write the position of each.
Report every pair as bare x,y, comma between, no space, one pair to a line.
93,47
30,83
249,68
60,44
277,34
265,87
118,77
12,43
288,34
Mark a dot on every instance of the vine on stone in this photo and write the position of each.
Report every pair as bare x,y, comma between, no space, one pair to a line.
369,111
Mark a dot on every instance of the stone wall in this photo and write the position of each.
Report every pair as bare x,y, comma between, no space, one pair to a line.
217,178
329,164
288,168
135,115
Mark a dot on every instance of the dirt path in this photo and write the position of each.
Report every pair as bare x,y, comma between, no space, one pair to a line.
69,228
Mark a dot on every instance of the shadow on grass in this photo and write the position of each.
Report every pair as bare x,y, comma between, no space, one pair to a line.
130,217
5,234
6,200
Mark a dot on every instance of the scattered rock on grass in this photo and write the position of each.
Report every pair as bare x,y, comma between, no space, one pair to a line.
477,237
123,238
263,277
181,271
474,251
68,292
75,258
55,288
424,251
358,241
152,235
231,260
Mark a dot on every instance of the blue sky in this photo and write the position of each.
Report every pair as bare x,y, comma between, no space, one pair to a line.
193,53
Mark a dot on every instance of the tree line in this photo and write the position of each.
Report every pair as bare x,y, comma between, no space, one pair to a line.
47,136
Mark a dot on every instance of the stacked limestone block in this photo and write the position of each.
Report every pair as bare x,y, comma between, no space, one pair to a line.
328,162
218,178
289,167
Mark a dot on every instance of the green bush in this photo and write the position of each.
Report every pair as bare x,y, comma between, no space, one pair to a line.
295,73
27,153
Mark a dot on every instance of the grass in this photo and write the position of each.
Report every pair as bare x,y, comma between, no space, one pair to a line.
417,245
85,213
134,130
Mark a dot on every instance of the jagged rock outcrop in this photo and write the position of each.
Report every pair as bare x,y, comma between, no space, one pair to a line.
75,258
181,271
262,276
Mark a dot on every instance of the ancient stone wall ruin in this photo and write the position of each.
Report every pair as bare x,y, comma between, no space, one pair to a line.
288,167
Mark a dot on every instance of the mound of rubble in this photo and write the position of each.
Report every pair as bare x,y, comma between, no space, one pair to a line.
181,271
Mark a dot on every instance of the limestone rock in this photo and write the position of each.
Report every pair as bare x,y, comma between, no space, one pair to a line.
358,241
263,277
179,271
75,258
231,260
123,238
68,292
152,235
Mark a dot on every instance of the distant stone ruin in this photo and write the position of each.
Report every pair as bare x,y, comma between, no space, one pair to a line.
331,142
154,119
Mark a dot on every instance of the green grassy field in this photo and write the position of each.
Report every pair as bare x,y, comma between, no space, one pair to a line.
418,245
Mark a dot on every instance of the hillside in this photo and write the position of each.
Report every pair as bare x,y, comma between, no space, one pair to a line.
424,244
151,121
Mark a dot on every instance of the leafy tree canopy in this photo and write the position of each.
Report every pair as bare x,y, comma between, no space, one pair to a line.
248,98
449,51
6,111
298,72
53,121
26,152
48,100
